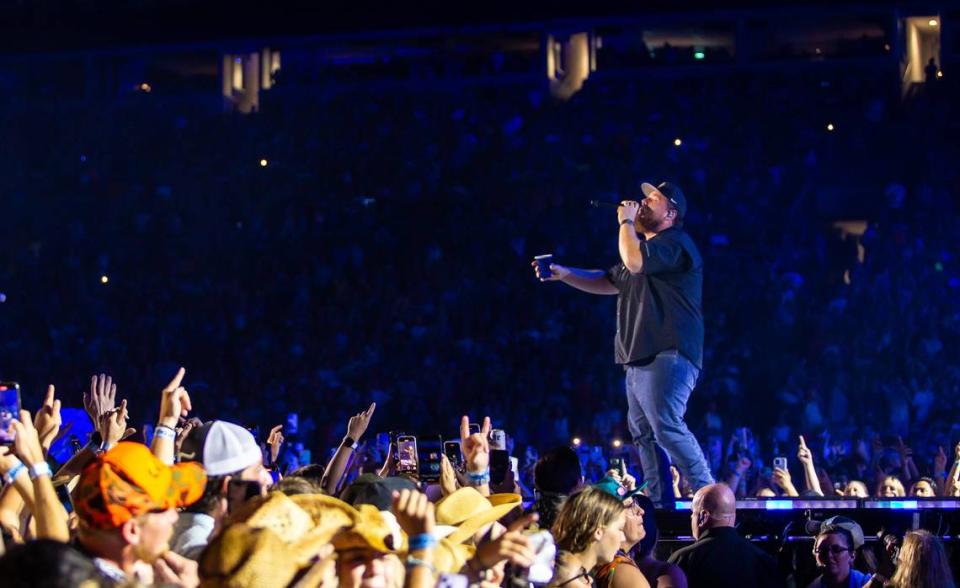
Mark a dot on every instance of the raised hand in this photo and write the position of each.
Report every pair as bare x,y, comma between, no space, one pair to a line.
359,422
903,449
113,425
512,546
101,398
803,453
476,446
275,440
448,477
743,464
628,210
174,401
182,432
48,419
27,443
940,461
782,479
414,512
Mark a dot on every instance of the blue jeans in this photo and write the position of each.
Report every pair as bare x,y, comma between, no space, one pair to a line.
657,395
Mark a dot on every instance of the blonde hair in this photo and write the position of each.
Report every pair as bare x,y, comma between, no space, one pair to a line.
923,563
895,482
582,514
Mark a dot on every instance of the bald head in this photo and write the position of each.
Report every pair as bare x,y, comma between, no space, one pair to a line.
713,506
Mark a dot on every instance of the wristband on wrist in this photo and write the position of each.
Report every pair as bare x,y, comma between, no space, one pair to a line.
422,541
626,221
40,469
479,478
15,471
349,441
165,432
414,562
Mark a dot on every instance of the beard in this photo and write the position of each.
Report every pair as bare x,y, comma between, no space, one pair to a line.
645,219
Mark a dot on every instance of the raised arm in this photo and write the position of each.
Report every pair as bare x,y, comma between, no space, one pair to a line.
356,427
592,281
953,478
809,471
628,242
49,514
174,403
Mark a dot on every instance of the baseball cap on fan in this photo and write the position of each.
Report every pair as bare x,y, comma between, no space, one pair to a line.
673,193
223,448
129,481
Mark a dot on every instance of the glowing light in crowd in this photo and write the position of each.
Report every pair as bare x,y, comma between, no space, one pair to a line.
933,22
3,297
145,87
576,441
830,127
104,279
940,74
617,443
699,55
263,163
677,142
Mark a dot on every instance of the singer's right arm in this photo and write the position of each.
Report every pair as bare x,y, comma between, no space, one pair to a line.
593,281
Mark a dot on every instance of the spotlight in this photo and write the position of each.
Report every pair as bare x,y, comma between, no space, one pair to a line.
617,443
933,22
830,127
104,279
145,87
577,441
940,73
677,142
263,163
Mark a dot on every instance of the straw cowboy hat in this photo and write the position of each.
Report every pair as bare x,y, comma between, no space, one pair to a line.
469,511
272,539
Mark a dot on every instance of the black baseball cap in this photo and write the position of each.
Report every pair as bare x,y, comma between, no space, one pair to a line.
673,193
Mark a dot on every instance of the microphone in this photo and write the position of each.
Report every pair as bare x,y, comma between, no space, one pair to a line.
604,204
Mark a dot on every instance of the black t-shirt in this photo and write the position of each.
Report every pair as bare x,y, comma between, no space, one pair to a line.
724,559
660,308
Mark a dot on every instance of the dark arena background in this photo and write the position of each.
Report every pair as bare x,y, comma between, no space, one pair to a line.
312,209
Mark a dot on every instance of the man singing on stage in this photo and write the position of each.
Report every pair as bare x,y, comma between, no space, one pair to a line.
659,341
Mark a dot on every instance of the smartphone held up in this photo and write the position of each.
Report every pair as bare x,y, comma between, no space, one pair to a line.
9,410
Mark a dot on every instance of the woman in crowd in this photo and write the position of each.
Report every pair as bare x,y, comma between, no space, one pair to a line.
922,563
588,531
891,487
623,572
659,574
856,489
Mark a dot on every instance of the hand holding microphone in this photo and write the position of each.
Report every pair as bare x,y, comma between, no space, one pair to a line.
628,211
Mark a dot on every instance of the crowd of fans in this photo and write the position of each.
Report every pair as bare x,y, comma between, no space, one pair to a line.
205,505
376,245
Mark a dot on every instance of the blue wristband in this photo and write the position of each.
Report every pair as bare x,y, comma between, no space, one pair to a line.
40,469
15,471
480,478
165,432
422,541
413,562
